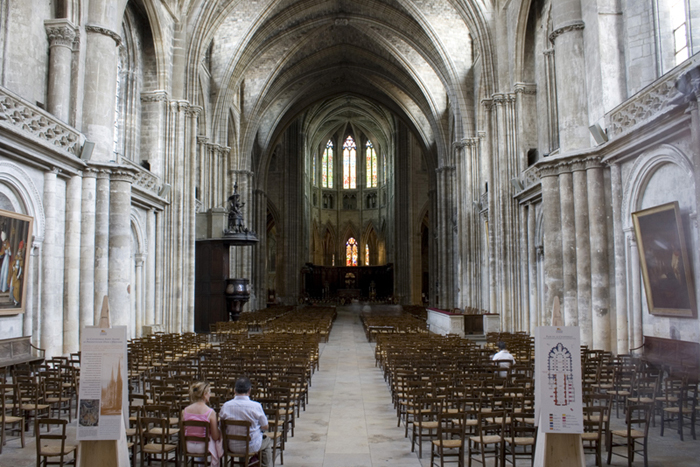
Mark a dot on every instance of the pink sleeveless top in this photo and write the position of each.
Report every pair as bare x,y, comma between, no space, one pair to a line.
193,430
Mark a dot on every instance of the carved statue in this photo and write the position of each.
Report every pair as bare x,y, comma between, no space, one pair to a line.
235,213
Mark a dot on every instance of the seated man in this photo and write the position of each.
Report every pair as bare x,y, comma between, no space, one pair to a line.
504,358
242,408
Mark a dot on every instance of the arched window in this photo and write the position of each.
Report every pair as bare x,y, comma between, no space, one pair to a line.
351,252
366,254
371,158
327,166
313,170
349,163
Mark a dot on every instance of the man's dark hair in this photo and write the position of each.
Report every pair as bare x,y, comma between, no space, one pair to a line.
501,346
243,385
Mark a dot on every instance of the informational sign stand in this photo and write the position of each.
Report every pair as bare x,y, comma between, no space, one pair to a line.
558,394
103,395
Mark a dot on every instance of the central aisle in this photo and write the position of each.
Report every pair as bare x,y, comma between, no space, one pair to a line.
350,420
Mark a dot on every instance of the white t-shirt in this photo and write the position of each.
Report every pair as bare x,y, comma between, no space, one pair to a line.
505,360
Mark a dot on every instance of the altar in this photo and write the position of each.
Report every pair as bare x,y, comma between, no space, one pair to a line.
445,322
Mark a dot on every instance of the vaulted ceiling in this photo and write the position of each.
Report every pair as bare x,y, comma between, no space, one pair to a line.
273,59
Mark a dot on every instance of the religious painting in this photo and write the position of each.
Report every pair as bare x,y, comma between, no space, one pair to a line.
15,237
664,261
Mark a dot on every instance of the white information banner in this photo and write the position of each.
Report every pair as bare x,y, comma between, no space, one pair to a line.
103,383
558,401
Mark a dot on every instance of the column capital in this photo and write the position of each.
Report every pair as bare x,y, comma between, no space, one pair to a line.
569,27
105,32
548,171
90,172
194,111
528,89
154,96
122,175
60,32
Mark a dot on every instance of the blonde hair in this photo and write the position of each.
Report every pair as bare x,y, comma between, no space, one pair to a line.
197,390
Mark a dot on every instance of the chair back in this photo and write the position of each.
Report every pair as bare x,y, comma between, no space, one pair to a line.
52,443
153,430
194,440
236,432
638,417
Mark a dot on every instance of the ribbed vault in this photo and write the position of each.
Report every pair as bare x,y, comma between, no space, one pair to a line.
271,60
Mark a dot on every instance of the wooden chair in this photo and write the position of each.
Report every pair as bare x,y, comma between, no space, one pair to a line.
489,440
194,442
275,432
637,415
425,422
520,441
153,438
10,412
592,436
450,439
683,410
51,445
237,433
31,397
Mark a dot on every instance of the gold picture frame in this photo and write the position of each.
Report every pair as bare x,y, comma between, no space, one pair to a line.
15,242
663,257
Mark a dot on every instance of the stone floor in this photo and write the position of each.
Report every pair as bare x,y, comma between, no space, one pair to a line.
350,420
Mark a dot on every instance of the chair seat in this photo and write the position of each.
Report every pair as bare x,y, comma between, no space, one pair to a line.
153,448
34,406
12,419
51,450
591,436
486,440
633,433
448,443
685,410
131,432
429,425
523,441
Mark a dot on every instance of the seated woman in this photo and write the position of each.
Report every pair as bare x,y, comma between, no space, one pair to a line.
199,410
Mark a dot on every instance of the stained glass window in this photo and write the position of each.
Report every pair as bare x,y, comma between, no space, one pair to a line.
313,170
371,158
351,252
349,163
366,254
327,166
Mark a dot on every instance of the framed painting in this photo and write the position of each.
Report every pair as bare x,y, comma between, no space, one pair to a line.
15,238
664,260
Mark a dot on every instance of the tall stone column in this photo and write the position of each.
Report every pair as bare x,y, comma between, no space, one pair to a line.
568,239
600,283
138,287
120,248
532,266
71,296
553,271
87,248
101,55
51,293
487,158
572,102
61,34
101,286
583,252
32,314
620,261
635,314
150,299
